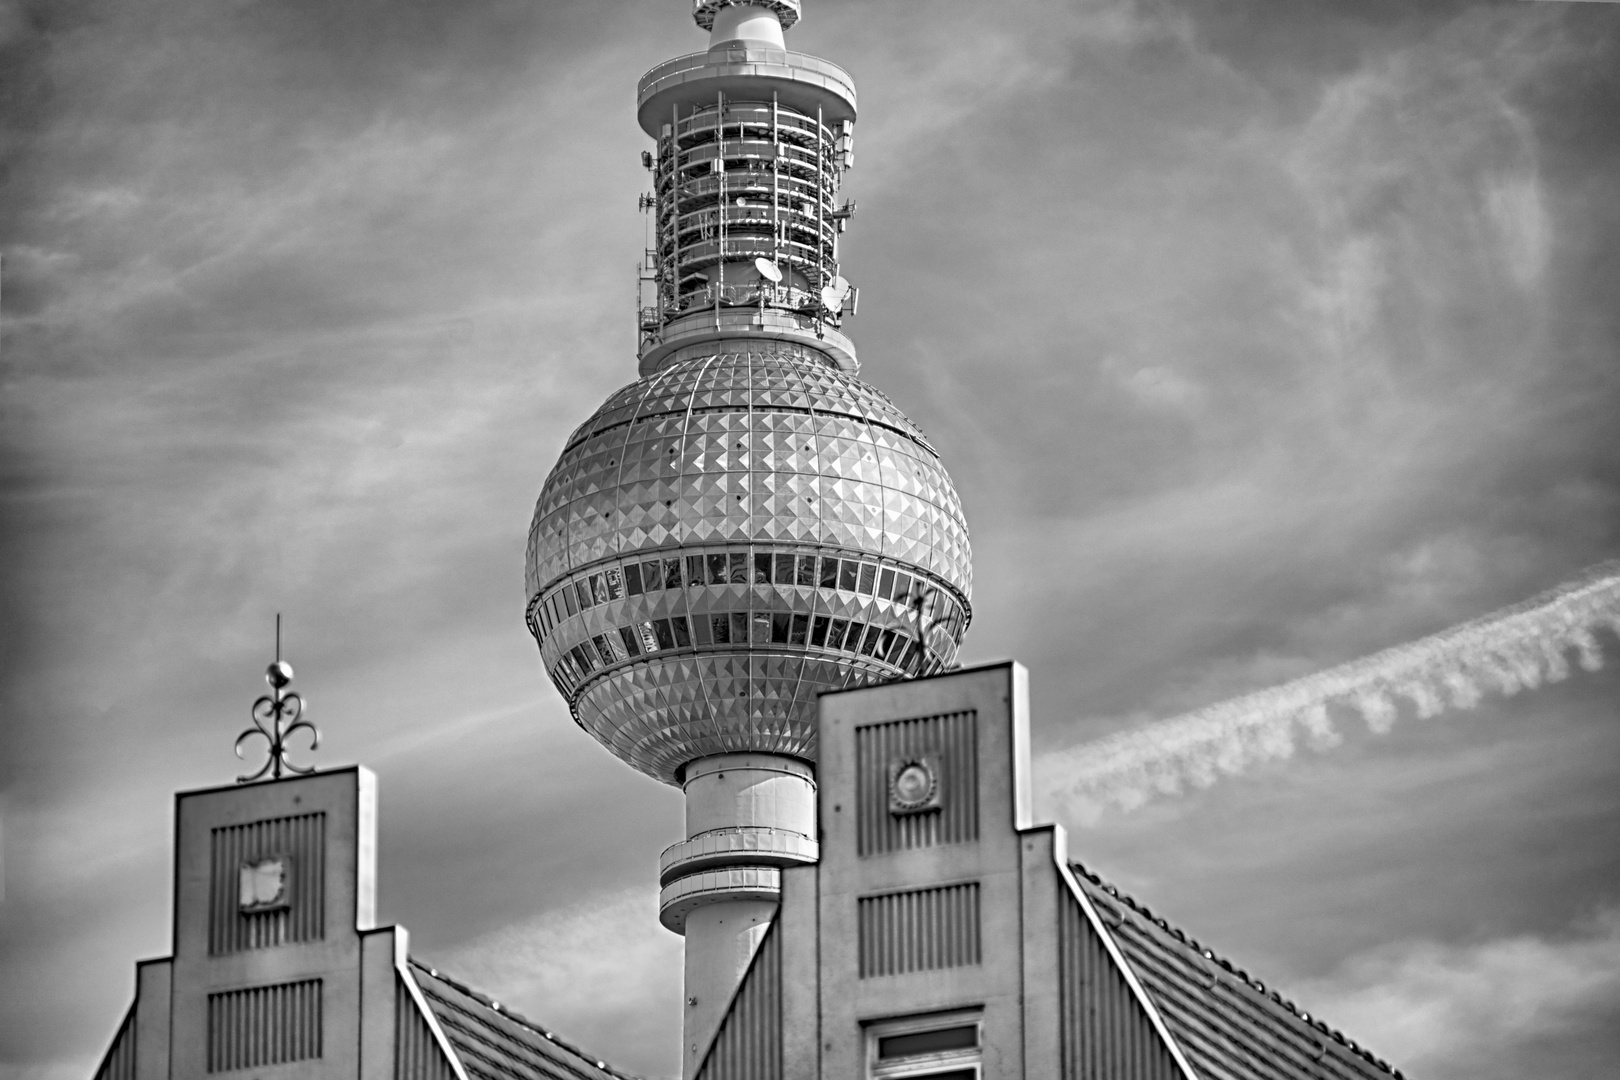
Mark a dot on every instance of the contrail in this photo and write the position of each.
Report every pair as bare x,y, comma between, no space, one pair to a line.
1513,649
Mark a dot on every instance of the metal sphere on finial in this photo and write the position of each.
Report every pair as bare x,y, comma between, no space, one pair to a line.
277,715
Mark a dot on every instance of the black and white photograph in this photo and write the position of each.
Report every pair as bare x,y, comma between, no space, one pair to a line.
809,539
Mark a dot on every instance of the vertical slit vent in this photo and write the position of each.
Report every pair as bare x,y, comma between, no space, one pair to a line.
1105,1031
119,1064
301,840
919,931
953,739
748,1045
417,1055
264,1025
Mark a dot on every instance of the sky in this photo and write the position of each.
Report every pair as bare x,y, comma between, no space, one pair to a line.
1257,335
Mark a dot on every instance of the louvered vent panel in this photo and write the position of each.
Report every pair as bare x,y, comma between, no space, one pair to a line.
919,931
748,1045
119,1064
264,1025
417,1055
302,839
952,740
1106,1034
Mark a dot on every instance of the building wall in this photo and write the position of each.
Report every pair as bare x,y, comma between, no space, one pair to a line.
298,987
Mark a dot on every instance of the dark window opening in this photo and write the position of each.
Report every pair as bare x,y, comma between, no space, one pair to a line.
818,632
632,640
632,579
965,1037
847,573
683,637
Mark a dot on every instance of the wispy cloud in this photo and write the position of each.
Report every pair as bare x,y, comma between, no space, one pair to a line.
1507,651
1492,1010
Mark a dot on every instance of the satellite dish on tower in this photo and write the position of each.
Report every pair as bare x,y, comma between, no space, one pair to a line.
833,296
767,270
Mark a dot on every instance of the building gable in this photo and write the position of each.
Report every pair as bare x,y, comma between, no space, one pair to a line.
748,1044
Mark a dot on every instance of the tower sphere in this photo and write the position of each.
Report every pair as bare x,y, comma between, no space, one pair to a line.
731,535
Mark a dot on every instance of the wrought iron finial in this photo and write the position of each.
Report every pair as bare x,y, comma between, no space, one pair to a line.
282,710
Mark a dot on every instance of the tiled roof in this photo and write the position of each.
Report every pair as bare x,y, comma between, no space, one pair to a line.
494,1043
1226,1024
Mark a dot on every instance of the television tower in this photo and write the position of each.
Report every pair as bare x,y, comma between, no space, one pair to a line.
748,524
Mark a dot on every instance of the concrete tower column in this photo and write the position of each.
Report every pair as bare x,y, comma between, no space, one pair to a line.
747,816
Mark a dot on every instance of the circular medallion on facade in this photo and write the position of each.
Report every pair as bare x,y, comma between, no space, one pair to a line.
913,785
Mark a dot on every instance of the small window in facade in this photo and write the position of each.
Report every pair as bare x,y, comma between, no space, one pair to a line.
796,633
829,573
615,585
631,639
582,588
784,569
762,628
848,571
886,583
700,630
762,568
739,627
902,590
887,645
665,636
835,636
632,579
944,1046
739,568
780,622
868,576
818,631
611,648
869,643
672,573
649,640
652,573
567,595
807,571
717,568
721,626
683,637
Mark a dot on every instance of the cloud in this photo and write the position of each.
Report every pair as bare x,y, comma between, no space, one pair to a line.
1481,1011
1503,652
602,973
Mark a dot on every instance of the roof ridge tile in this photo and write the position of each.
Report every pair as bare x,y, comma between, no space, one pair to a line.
1266,996
519,1019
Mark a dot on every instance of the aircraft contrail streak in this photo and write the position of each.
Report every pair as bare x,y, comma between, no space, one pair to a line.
1516,648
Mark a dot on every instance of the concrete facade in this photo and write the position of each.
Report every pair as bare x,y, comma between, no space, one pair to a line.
944,935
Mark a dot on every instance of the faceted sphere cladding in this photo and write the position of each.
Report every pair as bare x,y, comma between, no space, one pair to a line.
727,538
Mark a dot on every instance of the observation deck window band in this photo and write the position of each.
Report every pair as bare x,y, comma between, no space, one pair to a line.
731,567
890,646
